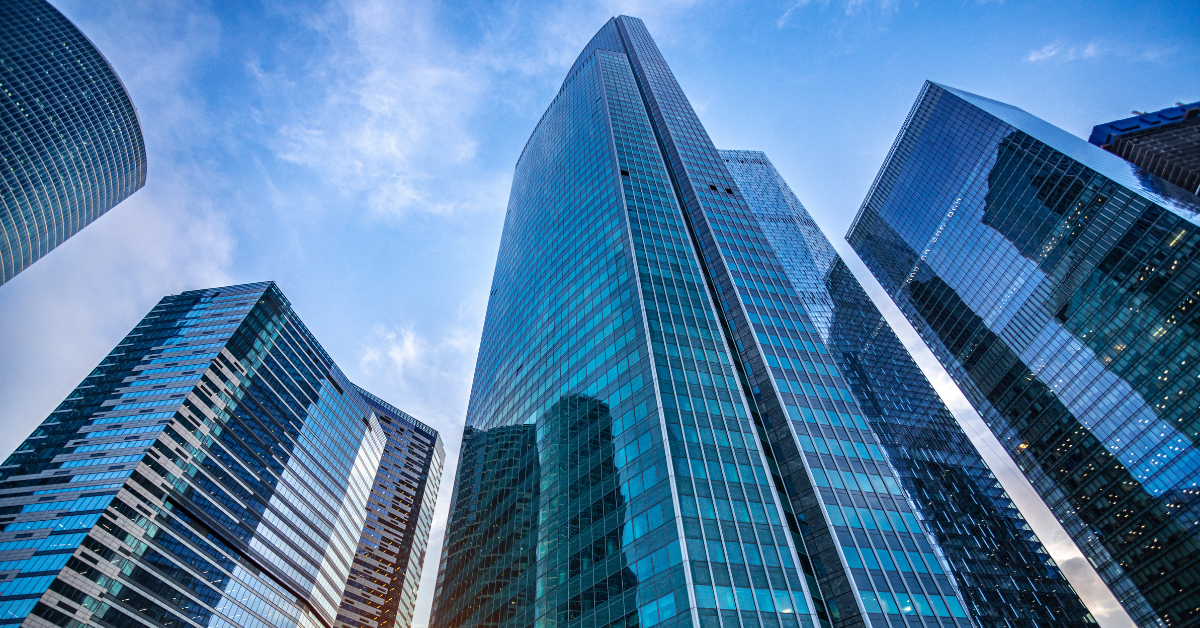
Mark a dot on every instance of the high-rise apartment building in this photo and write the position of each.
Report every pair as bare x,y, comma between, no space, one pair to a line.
1057,284
1002,570
385,576
628,458
1164,142
72,144
215,469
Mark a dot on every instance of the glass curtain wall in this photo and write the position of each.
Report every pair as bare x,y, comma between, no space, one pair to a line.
1057,284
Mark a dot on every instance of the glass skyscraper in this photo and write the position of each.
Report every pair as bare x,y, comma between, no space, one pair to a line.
385,576
648,391
215,469
1002,570
1057,284
71,144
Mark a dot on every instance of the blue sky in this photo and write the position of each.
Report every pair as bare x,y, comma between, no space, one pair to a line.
359,152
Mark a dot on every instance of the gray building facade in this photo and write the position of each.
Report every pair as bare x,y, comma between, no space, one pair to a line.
386,574
1165,143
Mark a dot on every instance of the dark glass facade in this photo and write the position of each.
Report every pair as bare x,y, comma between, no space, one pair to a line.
214,470
627,459
1057,284
70,144
1000,567
385,576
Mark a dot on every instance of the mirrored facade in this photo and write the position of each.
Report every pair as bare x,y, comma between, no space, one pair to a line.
214,470
628,459
1000,567
72,146
1057,283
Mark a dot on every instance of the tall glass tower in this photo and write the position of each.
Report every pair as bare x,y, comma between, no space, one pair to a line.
999,565
72,146
1057,284
215,469
628,458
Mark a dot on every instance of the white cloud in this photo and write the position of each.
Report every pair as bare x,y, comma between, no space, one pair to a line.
76,303
380,108
1060,53
431,380
399,101
849,8
63,314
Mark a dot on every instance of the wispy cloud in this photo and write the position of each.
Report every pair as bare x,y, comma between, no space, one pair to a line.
431,379
849,8
1058,52
393,107
76,303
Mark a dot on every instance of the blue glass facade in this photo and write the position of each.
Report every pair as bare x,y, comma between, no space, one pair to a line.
1001,569
610,474
70,144
627,460
1057,283
213,470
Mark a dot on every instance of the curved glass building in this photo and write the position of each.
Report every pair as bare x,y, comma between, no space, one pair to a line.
70,144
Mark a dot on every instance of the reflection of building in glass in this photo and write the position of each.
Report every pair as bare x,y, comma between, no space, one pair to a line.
491,548
213,470
385,576
613,333
1057,284
1000,566
1166,143
72,145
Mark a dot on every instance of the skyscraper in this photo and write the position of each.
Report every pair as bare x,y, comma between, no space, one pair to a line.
386,573
72,144
214,470
1057,283
628,459
1000,567
1164,142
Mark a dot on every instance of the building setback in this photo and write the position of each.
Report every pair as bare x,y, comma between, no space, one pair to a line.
1057,284
214,470
385,576
71,144
1165,143
1002,570
628,458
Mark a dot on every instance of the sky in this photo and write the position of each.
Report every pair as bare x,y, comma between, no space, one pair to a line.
360,152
